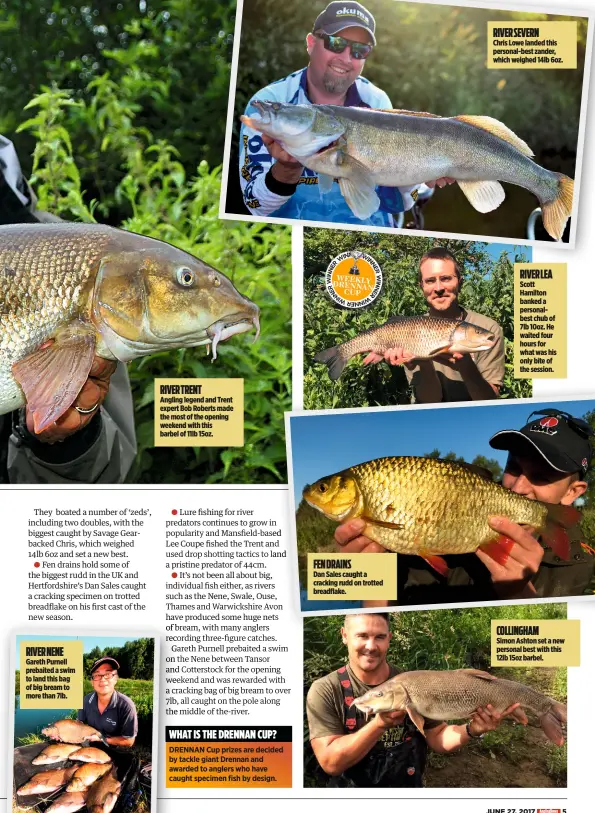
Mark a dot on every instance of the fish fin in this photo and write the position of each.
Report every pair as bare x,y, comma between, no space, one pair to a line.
519,716
417,719
484,196
552,722
325,183
499,549
53,376
358,191
333,360
498,129
486,474
559,519
379,523
437,562
556,212
408,113
478,673
444,349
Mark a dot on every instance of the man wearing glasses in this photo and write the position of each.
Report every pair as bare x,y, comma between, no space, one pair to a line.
275,183
548,460
107,710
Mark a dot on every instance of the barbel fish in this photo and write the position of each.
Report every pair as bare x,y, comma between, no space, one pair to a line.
70,291
365,148
456,694
424,336
427,506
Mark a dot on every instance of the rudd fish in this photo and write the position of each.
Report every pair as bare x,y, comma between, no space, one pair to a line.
427,506
93,290
91,755
55,753
86,775
70,731
424,336
368,148
457,694
68,803
46,781
103,795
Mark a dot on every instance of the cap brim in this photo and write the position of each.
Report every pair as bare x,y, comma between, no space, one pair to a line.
510,440
334,28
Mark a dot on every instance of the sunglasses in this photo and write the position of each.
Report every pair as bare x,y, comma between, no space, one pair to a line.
578,424
359,50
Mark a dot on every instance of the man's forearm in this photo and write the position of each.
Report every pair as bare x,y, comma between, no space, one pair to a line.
346,751
126,742
426,383
448,738
477,387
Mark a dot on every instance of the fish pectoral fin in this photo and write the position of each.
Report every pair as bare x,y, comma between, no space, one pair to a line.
437,562
379,523
417,719
484,196
498,129
478,673
439,350
358,190
53,376
325,183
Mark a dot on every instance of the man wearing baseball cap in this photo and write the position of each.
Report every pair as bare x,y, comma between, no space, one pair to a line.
109,711
548,460
276,184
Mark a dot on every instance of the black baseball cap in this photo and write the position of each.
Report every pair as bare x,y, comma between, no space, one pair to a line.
112,661
561,439
338,15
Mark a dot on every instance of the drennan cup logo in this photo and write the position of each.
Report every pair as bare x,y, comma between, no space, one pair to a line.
353,280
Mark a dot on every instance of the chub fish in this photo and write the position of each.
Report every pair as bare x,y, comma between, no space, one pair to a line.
85,775
427,506
424,336
55,753
456,694
103,794
70,291
72,731
46,781
365,148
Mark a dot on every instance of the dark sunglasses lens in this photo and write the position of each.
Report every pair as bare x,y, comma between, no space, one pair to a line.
335,44
360,50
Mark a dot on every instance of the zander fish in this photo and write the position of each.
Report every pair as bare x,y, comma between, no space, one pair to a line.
91,755
456,694
46,781
424,336
69,291
86,775
427,506
103,795
365,148
70,731
55,753
68,803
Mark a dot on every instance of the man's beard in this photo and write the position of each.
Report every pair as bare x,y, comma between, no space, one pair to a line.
335,84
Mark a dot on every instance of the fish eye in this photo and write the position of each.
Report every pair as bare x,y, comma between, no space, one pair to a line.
322,488
185,276
379,694
276,106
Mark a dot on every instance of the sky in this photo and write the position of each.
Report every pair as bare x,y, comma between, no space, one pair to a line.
89,641
494,250
325,444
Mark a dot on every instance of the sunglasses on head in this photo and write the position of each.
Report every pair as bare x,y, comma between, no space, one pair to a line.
578,424
359,50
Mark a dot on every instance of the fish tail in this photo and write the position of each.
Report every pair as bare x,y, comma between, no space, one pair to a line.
559,519
334,360
552,722
556,212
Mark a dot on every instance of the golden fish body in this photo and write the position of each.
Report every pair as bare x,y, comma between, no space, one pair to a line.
103,794
96,290
72,731
55,753
420,505
423,336
68,803
86,775
46,781
90,754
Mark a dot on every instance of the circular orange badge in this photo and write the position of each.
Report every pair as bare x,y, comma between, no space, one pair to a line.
353,279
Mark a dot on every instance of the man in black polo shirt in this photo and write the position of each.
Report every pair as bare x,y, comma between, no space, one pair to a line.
107,710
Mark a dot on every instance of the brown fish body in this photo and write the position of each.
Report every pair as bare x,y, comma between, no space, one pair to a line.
457,694
86,775
46,781
423,336
103,795
69,291
70,731
68,803
91,754
55,753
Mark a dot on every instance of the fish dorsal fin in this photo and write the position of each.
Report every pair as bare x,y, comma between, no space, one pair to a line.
498,129
478,673
52,376
409,113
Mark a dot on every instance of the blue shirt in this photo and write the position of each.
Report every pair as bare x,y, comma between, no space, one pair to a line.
118,720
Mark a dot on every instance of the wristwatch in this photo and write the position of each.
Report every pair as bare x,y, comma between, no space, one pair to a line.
473,736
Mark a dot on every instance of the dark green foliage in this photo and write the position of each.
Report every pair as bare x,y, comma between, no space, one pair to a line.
135,658
487,288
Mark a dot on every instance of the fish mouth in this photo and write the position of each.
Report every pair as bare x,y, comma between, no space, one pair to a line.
262,118
229,326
